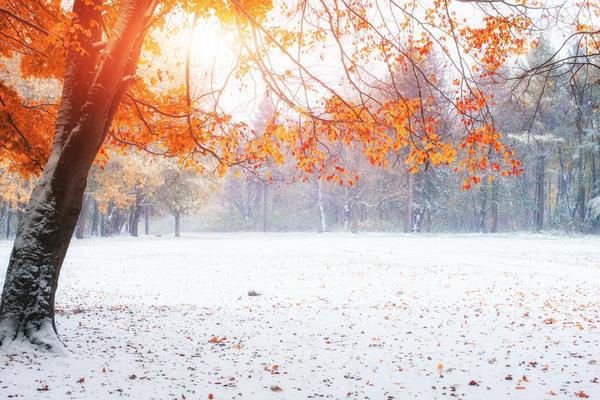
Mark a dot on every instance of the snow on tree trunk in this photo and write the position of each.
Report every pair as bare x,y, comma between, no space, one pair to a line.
540,168
40,246
579,211
92,90
323,226
177,224
417,220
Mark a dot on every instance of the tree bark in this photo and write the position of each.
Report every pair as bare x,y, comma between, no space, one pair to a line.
103,232
561,213
177,224
352,208
95,219
323,225
135,217
417,220
265,191
483,207
540,167
580,201
115,221
409,203
122,223
594,174
8,221
494,207
81,221
146,220
92,91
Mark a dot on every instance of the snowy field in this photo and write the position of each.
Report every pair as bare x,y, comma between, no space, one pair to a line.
339,316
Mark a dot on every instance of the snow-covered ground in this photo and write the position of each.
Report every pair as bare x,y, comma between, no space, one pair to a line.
340,316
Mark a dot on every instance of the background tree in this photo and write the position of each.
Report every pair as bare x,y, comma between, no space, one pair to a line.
183,192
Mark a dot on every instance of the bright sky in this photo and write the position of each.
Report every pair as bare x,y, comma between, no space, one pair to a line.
215,49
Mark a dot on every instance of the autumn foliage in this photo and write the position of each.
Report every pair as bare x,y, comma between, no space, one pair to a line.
165,113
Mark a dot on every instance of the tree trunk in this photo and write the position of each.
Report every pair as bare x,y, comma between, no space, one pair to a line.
494,207
122,223
95,219
81,221
146,220
8,221
594,174
409,203
265,191
475,220
103,232
115,221
417,219
177,224
92,91
323,225
352,204
135,218
483,207
580,201
561,213
540,167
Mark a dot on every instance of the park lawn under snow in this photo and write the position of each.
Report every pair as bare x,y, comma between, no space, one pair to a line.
340,316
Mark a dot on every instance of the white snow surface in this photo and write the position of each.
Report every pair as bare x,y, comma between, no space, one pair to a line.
339,316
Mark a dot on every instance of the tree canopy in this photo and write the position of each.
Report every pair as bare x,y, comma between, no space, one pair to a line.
292,50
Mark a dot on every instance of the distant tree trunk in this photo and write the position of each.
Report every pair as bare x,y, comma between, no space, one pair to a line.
353,209
265,210
579,210
122,223
494,207
347,209
92,90
483,207
323,225
417,219
146,220
409,224
177,224
561,212
354,216
135,221
81,221
115,221
103,223
548,200
95,219
8,221
475,219
540,167
594,174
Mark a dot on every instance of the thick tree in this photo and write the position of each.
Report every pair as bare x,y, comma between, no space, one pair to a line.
94,83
